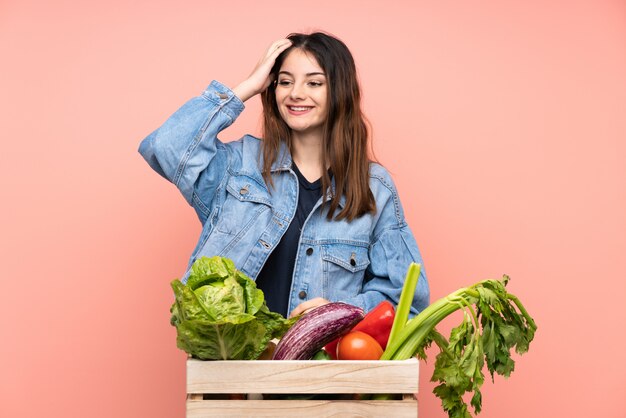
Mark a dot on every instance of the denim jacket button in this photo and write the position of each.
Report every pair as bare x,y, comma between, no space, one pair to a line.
222,96
309,251
244,190
302,294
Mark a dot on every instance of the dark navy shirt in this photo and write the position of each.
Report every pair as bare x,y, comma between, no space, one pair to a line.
275,277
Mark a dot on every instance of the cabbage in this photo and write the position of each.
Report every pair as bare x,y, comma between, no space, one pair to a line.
221,315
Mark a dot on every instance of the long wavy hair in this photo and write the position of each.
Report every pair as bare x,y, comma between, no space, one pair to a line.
346,139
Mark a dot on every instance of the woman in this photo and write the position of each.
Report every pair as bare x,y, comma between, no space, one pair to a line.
303,211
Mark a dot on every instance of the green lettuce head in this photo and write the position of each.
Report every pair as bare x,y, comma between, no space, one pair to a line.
221,315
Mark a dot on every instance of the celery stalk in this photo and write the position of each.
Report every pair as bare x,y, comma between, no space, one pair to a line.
406,300
417,329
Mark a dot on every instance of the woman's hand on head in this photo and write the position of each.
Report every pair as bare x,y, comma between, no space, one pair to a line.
260,78
307,306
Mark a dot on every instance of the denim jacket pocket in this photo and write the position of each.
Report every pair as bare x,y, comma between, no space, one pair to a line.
245,201
344,267
349,256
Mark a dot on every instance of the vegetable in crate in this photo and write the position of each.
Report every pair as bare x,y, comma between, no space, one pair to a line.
321,355
357,345
494,322
377,324
221,315
315,329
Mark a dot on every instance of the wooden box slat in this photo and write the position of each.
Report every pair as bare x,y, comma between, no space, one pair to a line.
300,409
309,376
217,378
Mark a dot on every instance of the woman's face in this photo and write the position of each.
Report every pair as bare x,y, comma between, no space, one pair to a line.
301,93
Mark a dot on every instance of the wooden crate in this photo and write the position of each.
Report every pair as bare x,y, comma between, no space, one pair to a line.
206,379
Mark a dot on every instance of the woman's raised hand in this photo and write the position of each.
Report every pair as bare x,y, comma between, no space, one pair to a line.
260,78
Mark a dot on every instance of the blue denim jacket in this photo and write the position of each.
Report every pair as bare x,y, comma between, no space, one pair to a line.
361,262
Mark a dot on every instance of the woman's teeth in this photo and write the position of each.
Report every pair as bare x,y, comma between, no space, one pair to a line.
298,108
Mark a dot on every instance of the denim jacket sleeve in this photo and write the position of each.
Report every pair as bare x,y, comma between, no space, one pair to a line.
392,250
185,149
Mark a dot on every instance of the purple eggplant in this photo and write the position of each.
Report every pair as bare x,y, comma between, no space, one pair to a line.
317,328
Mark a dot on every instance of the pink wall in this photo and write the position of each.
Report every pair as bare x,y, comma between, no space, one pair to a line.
503,124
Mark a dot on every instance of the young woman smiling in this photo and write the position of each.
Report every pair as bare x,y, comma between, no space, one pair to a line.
304,211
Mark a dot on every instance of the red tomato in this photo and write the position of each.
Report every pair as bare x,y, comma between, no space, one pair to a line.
357,345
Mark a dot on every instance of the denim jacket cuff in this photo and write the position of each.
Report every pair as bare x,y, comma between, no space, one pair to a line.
224,97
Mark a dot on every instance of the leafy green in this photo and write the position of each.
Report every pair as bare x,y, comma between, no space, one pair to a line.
494,323
221,315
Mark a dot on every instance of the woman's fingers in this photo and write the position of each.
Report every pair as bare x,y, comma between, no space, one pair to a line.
260,78
277,48
267,62
273,52
307,306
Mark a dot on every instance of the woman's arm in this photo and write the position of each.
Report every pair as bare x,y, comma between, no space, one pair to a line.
185,149
390,255
393,248
186,145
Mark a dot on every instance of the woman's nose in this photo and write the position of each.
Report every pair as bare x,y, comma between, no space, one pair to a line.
297,92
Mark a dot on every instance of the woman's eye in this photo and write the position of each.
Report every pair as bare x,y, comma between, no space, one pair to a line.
284,82
315,83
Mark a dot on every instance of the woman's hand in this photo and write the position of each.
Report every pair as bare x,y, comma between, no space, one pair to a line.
307,306
260,79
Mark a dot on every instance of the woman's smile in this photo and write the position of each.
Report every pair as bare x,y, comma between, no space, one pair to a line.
299,110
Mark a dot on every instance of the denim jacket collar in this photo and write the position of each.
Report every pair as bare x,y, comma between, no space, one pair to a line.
331,192
283,161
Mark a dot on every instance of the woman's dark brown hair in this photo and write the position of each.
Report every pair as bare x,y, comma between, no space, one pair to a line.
346,133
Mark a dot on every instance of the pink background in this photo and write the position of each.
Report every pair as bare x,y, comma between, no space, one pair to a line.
503,123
